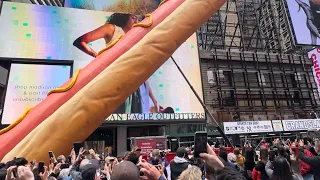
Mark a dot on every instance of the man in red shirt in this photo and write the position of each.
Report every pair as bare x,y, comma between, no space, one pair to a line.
305,169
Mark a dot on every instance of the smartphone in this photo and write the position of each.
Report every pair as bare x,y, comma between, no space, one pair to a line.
77,146
41,167
102,163
256,158
69,159
50,154
200,143
64,166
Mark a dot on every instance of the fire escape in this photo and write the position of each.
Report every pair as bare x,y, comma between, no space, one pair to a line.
249,68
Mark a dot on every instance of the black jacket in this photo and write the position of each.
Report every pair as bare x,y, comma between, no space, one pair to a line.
314,162
260,166
177,167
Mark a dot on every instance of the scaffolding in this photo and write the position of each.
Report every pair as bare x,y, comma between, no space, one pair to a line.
251,67
249,25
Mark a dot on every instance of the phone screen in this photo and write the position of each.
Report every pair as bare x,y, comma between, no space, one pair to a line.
200,143
50,154
77,146
41,167
102,163
64,166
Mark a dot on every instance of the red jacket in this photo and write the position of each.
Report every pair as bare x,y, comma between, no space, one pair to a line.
256,175
304,167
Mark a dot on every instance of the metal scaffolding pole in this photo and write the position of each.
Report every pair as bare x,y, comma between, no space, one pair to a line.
223,135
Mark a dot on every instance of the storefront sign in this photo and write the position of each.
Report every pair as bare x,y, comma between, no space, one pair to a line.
147,145
301,124
244,127
277,125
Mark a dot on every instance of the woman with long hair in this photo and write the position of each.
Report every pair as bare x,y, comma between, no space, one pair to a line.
281,169
118,24
249,164
191,173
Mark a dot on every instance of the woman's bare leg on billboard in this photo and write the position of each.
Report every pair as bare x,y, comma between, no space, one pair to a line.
313,39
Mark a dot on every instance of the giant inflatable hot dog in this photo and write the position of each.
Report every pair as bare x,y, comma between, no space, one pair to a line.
49,105
92,103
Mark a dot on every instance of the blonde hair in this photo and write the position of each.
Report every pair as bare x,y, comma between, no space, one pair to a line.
191,173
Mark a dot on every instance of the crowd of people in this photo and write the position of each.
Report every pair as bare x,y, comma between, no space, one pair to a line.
279,161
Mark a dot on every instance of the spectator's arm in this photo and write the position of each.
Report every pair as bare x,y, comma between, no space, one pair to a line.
268,169
73,156
108,176
54,175
313,161
73,171
94,154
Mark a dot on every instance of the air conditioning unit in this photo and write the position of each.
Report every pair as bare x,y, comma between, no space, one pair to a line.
262,79
211,78
297,76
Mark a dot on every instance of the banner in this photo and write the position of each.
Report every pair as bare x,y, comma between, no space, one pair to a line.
315,56
277,125
244,127
305,19
147,145
54,33
301,124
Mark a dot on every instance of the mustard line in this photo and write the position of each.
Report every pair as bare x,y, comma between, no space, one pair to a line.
162,2
145,24
68,87
4,130
110,45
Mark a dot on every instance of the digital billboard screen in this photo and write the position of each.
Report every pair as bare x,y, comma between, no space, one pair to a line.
28,85
46,32
305,18
123,6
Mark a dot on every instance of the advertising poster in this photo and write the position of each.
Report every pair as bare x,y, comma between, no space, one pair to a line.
55,33
28,85
246,127
305,19
147,145
277,125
